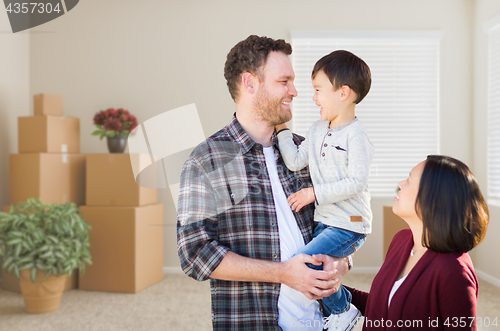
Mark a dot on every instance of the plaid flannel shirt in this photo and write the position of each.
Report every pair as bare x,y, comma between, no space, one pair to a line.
226,204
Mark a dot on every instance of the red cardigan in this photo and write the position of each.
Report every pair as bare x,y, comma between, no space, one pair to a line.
439,293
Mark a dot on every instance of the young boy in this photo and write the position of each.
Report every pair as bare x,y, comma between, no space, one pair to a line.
339,154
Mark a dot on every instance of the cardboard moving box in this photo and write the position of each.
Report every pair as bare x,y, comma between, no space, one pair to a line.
51,177
126,245
48,134
392,225
48,104
111,182
11,283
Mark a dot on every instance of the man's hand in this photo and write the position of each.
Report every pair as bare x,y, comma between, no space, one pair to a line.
341,265
301,198
314,284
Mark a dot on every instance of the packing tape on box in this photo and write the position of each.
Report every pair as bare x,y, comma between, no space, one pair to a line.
64,148
65,158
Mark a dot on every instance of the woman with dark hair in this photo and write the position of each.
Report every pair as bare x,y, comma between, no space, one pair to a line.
427,281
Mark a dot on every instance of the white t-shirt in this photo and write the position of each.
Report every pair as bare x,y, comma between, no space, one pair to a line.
395,287
296,311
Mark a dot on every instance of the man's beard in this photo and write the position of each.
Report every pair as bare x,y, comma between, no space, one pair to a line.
270,110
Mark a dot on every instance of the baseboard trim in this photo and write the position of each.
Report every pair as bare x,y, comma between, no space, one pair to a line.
488,278
172,270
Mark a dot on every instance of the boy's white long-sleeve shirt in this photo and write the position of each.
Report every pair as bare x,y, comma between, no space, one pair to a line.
339,161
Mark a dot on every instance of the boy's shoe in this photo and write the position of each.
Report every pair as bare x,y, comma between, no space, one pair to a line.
345,321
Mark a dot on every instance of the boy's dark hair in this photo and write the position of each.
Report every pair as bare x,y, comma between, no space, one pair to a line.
451,206
344,68
250,55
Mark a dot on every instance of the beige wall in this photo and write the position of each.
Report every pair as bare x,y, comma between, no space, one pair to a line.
14,96
482,255
152,56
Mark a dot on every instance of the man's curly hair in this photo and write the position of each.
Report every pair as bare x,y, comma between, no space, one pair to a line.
250,55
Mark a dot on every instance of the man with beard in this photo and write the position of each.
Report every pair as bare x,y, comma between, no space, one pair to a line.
235,226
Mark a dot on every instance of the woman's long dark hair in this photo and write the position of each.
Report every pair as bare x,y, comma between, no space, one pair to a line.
451,206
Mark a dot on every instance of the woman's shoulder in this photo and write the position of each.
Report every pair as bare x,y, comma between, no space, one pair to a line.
453,272
454,262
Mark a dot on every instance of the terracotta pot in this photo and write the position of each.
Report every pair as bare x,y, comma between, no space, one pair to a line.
41,298
116,144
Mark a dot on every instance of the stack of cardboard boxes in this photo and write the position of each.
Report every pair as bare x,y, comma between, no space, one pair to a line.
127,222
48,166
126,241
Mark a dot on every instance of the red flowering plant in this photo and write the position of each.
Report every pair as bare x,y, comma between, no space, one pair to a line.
114,123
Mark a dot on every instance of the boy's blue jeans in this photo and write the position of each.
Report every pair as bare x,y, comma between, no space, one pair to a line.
335,242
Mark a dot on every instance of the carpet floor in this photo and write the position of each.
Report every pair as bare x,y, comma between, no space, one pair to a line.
176,303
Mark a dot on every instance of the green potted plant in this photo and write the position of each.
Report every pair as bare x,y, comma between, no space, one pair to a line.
41,244
115,125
